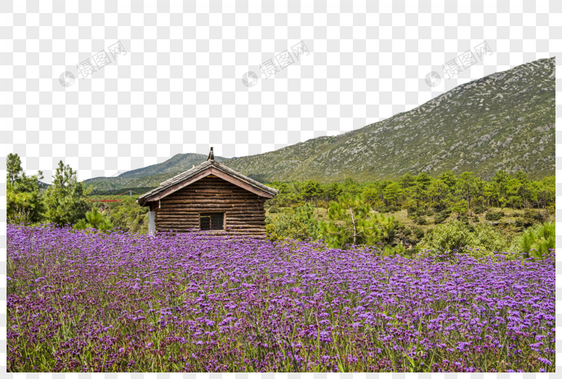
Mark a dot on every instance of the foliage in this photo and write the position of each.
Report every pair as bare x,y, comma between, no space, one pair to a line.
23,194
65,201
352,222
94,219
298,224
537,242
532,216
479,209
418,232
441,217
463,217
494,216
478,241
420,220
127,215
423,194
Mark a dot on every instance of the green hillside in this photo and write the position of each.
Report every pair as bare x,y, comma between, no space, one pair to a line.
150,176
504,121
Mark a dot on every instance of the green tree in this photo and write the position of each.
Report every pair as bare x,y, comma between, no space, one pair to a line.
333,191
437,191
350,187
14,168
311,190
468,186
350,222
459,207
547,191
513,196
424,180
392,193
449,178
296,223
371,193
418,193
23,194
500,180
522,177
94,219
65,200
406,181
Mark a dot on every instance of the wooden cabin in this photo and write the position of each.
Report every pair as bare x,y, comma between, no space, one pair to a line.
210,197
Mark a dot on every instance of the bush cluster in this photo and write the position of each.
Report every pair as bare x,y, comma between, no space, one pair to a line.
442,216
494,216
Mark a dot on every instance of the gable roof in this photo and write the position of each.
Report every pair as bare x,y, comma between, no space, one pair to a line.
210,167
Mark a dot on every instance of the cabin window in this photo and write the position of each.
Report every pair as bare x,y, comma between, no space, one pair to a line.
212,221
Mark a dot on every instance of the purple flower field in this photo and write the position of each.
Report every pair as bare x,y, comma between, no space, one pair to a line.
124,302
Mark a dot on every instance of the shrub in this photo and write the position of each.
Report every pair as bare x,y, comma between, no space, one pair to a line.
441,217
298,223
537,241
399,225
407,231
430,212
382,209
494,216
389,209
475,219
463,218
478,241
418,232
351,222
479,209
420,220
94,219
534,216
519,223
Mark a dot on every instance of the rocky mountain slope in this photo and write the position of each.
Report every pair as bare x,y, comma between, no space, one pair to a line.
502,121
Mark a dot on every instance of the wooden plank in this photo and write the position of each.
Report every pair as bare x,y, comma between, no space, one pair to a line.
179,186
213,182
240,183
193,212
209,195
210,199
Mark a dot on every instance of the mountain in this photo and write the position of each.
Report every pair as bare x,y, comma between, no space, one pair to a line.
504,121
150,176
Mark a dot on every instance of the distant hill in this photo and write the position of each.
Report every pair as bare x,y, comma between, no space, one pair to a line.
502,121
150,176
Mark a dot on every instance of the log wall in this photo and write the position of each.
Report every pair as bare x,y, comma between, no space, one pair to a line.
243,210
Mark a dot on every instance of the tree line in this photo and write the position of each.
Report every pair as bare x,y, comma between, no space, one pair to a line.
460,193
66,202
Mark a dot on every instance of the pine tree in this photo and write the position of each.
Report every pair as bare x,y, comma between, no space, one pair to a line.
65,200
23,194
